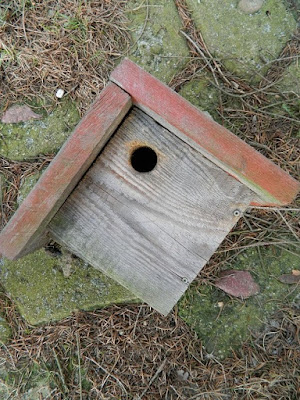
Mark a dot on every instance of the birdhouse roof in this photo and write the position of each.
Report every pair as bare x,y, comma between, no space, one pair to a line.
130,85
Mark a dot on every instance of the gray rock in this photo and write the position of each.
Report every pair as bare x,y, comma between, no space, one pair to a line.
245,43
250,6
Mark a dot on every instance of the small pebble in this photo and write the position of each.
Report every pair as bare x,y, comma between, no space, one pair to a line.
60,93
250,6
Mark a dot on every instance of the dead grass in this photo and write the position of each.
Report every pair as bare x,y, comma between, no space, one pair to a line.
134,353
12,174
46,45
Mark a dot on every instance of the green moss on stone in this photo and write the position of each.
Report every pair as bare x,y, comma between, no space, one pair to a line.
223,329
27,184
28,139
4,188
285,99
290,83
30,382
159,47
47,288
246,43
201,94
3,184
5,331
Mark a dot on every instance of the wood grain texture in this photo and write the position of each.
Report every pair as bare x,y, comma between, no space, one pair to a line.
25,232
152,232
273,185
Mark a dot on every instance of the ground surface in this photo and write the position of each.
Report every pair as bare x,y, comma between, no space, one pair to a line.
240,67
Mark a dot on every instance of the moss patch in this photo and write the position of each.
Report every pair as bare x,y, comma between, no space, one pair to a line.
47,288
27,184
291,80
5,331
3,185
225,328
31,382
201,94
246,43
159,47
26,140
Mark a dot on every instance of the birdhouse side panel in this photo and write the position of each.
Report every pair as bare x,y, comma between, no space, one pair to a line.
150,212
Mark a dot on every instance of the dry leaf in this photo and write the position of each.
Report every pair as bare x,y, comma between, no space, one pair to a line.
16,114
237,283
290,279
296,272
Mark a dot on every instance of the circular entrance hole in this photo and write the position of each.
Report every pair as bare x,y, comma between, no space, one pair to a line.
143,159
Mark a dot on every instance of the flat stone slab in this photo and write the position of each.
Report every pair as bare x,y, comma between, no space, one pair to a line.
290,83
202,94
47,288
158,46
246,43
224,323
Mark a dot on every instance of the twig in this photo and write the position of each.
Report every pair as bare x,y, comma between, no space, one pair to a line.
197,396
257,244
288,250
179,396
159,370
23,23
62,378
136,321
289,226
108,373
272,114
202,55
144,26
79,366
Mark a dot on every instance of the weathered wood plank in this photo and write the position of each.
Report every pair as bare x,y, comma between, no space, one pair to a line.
154,231
25,232
273,185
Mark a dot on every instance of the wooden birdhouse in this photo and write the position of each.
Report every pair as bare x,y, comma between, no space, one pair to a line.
145,189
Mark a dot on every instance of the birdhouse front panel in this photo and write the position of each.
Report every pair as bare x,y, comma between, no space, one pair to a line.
150,212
